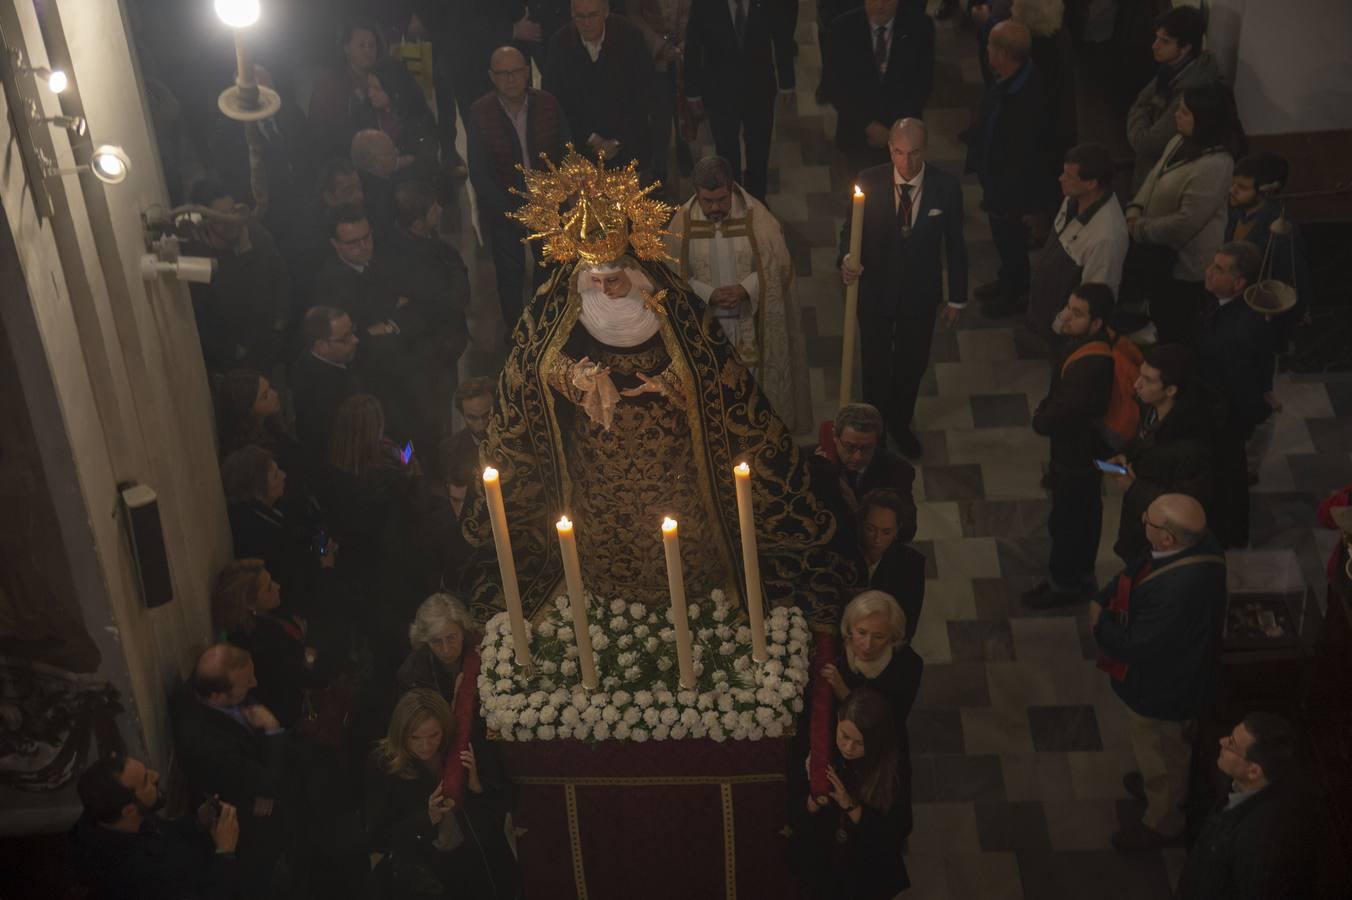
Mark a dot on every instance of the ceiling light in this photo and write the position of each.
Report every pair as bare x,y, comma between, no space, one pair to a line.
56,81
237,13
110,164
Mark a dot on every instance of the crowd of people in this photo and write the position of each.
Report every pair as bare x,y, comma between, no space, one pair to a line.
314,734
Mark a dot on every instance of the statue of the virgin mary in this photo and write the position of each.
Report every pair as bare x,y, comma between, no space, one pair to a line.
620,404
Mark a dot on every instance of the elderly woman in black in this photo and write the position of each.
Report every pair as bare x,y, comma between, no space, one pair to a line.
439,634
849,845
422,843
878,656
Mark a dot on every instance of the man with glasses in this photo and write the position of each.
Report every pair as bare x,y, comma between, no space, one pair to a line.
1177,49
323,378
1158,629
855,462
1263,837
510,126
600,70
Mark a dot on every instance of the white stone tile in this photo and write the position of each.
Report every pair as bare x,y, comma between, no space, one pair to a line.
942,829
987,345
1265,571
1302,399
990,876
967,558
942,413
936,519
931,639
949,598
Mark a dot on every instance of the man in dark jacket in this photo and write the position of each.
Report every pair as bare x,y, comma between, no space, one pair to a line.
509,127
234,748
878,67
912,227
599,69
1008,152
1158,627
1071,415
126,852
893,565
1262,840
1173,450
323,378
737,58
1235,352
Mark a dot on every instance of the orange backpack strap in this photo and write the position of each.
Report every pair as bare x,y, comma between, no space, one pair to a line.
1093,348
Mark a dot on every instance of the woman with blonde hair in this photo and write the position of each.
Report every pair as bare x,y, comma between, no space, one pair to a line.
878,656
421,841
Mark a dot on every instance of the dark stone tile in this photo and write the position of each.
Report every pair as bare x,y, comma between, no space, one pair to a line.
954,482
1028,345
961,779
1003,825
922,779
1129,811
953,684
1102,874
974,640
1088,647
1331,435
944,346
999,410
1062,729
1319,473
935,730
826,206
1004,518
929,384
823,352
935,447
808,317
926,549
1281,511
1023,555
1340,397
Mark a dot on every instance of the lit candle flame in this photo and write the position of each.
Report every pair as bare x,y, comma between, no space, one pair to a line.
857,191
564,524
668,525
490,474
742,469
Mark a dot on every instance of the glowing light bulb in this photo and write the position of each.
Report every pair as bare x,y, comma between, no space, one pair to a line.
237,13
57,81
110,164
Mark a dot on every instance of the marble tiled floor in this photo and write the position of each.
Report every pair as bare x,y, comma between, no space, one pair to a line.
1019,742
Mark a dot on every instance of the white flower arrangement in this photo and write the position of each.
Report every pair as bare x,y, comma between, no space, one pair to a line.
639,698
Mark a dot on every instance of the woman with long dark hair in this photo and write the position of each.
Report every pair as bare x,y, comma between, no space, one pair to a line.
1177,219
422,843
249,411
848,846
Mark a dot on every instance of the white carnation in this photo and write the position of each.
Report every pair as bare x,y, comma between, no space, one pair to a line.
549,714
581,731
787,690
725,702
637,611
641,631
618,623
687,698
729,720
624,641
524,734
568,668
590,715
693,611
530,717
548,668
720,613
566,634
764,715
601,730
669,716
570,716
632,715
505,669
668,635
717,734
601,642
503,685
651,716
621,698
660,732
627,659
779,635
610,715
663,697
561,602
622,732
643,698
689,718
775,650
663,665
547,629
651,644
705,701
617,607
774,667
709,719
545,732
638,734
507,718
774,730
598,699
720,677
727,648
538,699
632,674
678,732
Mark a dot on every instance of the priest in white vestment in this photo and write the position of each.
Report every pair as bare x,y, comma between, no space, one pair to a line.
731,251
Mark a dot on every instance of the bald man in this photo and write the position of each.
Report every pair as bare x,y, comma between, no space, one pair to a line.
1011,154
230,746
511,125
912,226
1158,628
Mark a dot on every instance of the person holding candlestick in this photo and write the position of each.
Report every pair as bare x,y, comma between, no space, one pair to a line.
912,220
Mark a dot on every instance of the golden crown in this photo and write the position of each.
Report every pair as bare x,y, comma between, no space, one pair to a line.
582,210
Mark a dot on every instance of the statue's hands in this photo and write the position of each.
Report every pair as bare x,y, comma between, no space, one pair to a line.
586,375
649,386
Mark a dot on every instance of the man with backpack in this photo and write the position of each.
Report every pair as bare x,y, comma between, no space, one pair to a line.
1084,415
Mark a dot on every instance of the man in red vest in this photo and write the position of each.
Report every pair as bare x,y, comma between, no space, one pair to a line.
508,127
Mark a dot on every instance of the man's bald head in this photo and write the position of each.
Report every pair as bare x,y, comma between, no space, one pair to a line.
1175,520
906,145
223,675
510,74
374,152
913,130
1008,48
506,57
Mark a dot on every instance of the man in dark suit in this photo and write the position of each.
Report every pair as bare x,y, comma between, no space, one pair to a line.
1158,627
1008,151
323,378
879,67
234,748
912,218
1235,353
509,127
124,850
599,69
736,53
1263,838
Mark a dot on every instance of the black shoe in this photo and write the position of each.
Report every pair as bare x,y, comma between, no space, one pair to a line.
988,291
1134,783
1044,596
908,445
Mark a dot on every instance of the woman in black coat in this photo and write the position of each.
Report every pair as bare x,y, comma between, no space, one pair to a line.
249,411
427,845
878,656
245,610
894,566
849,846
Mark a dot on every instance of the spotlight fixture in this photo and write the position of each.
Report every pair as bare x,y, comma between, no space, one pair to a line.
109,164
76,125
55,79
238,13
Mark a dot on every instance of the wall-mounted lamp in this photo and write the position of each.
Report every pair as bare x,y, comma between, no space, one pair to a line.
238,13
109,164
55,79
76,125
163,259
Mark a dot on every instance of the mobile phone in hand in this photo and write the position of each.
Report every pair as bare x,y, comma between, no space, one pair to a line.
1111,468
406,454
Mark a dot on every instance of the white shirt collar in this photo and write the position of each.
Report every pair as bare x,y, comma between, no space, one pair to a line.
913,182
594,50
1223,301
886,26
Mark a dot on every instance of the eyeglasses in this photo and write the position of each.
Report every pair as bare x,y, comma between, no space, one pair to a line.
851,449
509,73
1165,527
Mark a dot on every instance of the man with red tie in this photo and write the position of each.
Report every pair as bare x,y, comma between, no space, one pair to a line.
1158,628
912,220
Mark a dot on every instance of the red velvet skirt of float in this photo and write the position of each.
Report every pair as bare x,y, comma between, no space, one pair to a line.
658,820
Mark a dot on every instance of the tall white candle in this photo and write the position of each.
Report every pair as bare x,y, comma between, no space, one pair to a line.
671,542
746,516
851,298
572,576
511,593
